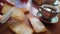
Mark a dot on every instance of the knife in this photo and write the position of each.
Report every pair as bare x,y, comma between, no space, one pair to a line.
6,16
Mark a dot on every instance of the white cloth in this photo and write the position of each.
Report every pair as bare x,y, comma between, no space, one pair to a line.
56,2
19,4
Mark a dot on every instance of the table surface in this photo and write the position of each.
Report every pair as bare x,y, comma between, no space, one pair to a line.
51,29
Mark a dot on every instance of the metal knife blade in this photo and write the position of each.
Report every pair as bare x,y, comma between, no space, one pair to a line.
6,16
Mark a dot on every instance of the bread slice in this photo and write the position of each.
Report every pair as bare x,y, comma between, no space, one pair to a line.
24,10
17,13
20,28
5,8
13,3
36,24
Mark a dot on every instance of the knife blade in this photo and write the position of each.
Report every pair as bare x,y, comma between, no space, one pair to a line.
6,16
